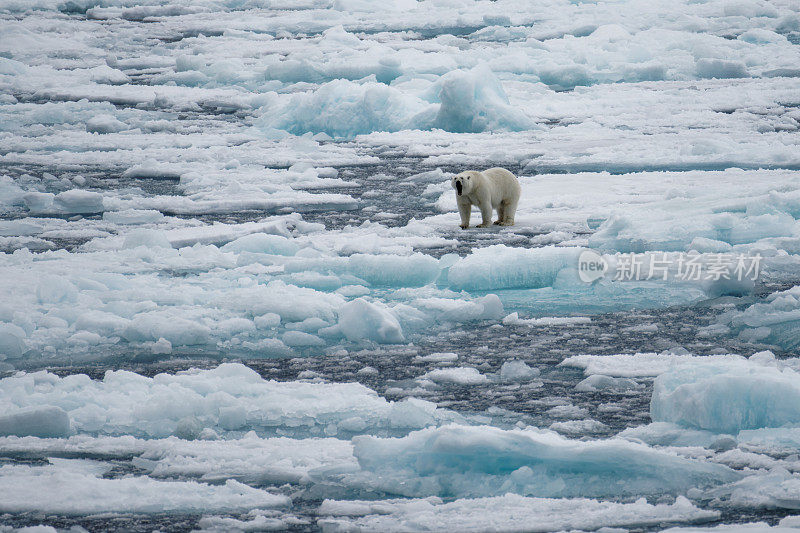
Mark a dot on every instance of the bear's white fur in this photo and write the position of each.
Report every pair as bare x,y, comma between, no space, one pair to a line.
496,188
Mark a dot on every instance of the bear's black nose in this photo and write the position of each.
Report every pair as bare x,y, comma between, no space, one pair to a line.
458,187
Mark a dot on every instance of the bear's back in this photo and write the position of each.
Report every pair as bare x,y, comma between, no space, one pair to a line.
502,178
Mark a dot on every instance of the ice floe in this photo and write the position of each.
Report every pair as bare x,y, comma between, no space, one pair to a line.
644,364
228,180
775,320
507,513
463,461
727,398
71,487
230,397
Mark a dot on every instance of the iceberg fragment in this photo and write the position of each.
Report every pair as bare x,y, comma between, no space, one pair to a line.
461,375
474,101
464,461
105,124
460,101
775,320
39,421
500,267
727,398
597,382
12,341
79,201
362,320
517,371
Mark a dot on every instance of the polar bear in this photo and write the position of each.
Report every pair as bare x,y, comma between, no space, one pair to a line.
496,188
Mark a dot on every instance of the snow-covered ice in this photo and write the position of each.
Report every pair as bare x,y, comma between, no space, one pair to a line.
228,398
207,457
518,514
77,487
787,525
643,364
234,294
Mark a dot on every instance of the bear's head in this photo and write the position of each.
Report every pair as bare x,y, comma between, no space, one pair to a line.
465,182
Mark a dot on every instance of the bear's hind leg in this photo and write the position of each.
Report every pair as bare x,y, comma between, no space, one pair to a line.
501,214
509,210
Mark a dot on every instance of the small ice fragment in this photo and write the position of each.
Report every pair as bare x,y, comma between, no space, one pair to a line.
360,319
161,346
439,357
512,371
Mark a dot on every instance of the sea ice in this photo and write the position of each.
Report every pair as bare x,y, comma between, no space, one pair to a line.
727,398
460,101
666,127
501,267
771,440
463,461
134,216
506,513
517,371
360,319
105,124
262,243
776,320
776,488
377,269
12,341
438,357
44,421
229,397
78,201
784,526
259,520
514,320
598,382
643,364
460,375
75,487
579,428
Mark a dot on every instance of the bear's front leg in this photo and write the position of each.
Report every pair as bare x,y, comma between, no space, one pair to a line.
465,210
486,213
